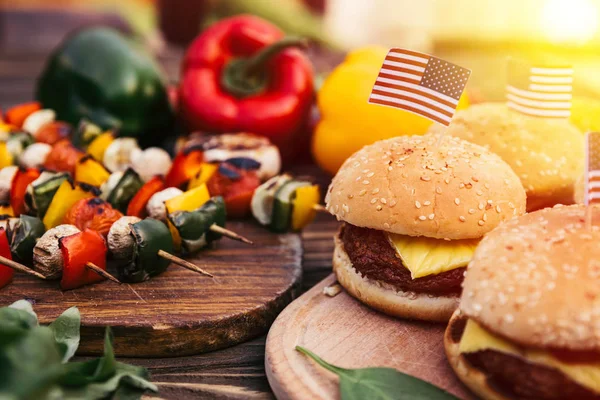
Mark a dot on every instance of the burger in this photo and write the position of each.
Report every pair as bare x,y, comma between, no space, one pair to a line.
414,209
528,324
546,153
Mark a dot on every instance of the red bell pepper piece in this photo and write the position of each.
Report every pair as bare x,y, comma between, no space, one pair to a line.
18,188
236,186
17,114
241,75
6,273
186,165
137,205
77,250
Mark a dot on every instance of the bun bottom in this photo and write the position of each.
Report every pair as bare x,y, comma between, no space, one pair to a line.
474,379
386,298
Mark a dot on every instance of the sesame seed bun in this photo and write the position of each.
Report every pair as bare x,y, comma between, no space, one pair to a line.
443,188
535,280
387,299
546,153
475,379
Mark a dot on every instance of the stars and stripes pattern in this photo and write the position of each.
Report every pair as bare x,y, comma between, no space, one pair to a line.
539,91
592,170
421,84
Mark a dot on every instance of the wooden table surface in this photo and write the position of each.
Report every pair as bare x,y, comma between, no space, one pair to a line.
237,372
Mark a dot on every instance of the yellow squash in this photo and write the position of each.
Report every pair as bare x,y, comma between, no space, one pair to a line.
348,121
64,198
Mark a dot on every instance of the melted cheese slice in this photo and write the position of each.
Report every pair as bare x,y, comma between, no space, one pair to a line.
476,338
426,256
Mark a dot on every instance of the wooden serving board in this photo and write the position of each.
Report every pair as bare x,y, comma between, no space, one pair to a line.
350,335
181,312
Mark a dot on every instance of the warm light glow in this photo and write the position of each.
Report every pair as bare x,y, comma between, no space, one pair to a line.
570,21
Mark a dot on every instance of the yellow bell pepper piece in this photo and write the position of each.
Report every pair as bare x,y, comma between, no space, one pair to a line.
6,209
90,171
304,206
6,159
348,121
100,144
187,201
203,175
64,198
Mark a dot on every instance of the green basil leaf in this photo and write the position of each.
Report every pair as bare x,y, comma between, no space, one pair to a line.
15,321
66,332
24,305
380,383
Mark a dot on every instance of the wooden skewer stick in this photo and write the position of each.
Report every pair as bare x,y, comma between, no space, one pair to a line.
101,272
230,234
320,208
183,263
20,267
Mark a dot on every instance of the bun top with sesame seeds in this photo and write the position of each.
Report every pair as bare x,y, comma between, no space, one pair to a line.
443,188
535,280
546,153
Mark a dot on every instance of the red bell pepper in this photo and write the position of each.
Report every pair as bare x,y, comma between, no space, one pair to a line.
6,273
17,114
18,188
236,186
137,205
242,75
77,250
186,165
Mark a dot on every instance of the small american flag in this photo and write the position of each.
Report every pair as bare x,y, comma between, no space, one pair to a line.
421,84
592,170
539,91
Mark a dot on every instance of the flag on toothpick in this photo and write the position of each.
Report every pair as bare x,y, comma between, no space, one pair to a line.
539,91
592,168
421,84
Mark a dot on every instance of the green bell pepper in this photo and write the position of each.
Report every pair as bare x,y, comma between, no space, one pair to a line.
194,226
24,236
128,186
150,236
99,75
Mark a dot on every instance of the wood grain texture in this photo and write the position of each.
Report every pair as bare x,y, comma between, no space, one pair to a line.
350,335
181,312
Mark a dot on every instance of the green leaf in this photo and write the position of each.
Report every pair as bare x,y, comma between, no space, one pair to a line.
380,383
16,320
24,305
66,332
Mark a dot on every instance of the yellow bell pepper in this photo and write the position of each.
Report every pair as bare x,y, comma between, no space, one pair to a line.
6,209
6,157
100,144
187,201
304,206
67,194
90,171
203,175
348,121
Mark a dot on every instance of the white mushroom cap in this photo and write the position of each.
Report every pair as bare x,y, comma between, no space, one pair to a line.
151,162
156,205
6,177
120,242
110,184
38,119
47,257
35,155
119,153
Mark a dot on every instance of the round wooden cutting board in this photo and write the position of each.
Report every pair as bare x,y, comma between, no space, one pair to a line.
181,312
348,334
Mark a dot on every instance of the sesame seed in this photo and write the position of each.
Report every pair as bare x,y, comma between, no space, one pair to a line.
417,204
506,181
350,196
337,208
498,209
425,178
362,192
358,178
519,163
471,211
370,174
462,218
393,203
475,179
508,318
431,216
366,182
511,205
468,185
422,218
457,201
444,169
447,180
481,222
373,201
426,203
484,217
379,207
481,206
462,185
375,191
490,201
383,200
487,185
386,225
365,170
345,208
390,168
479,193
438,190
